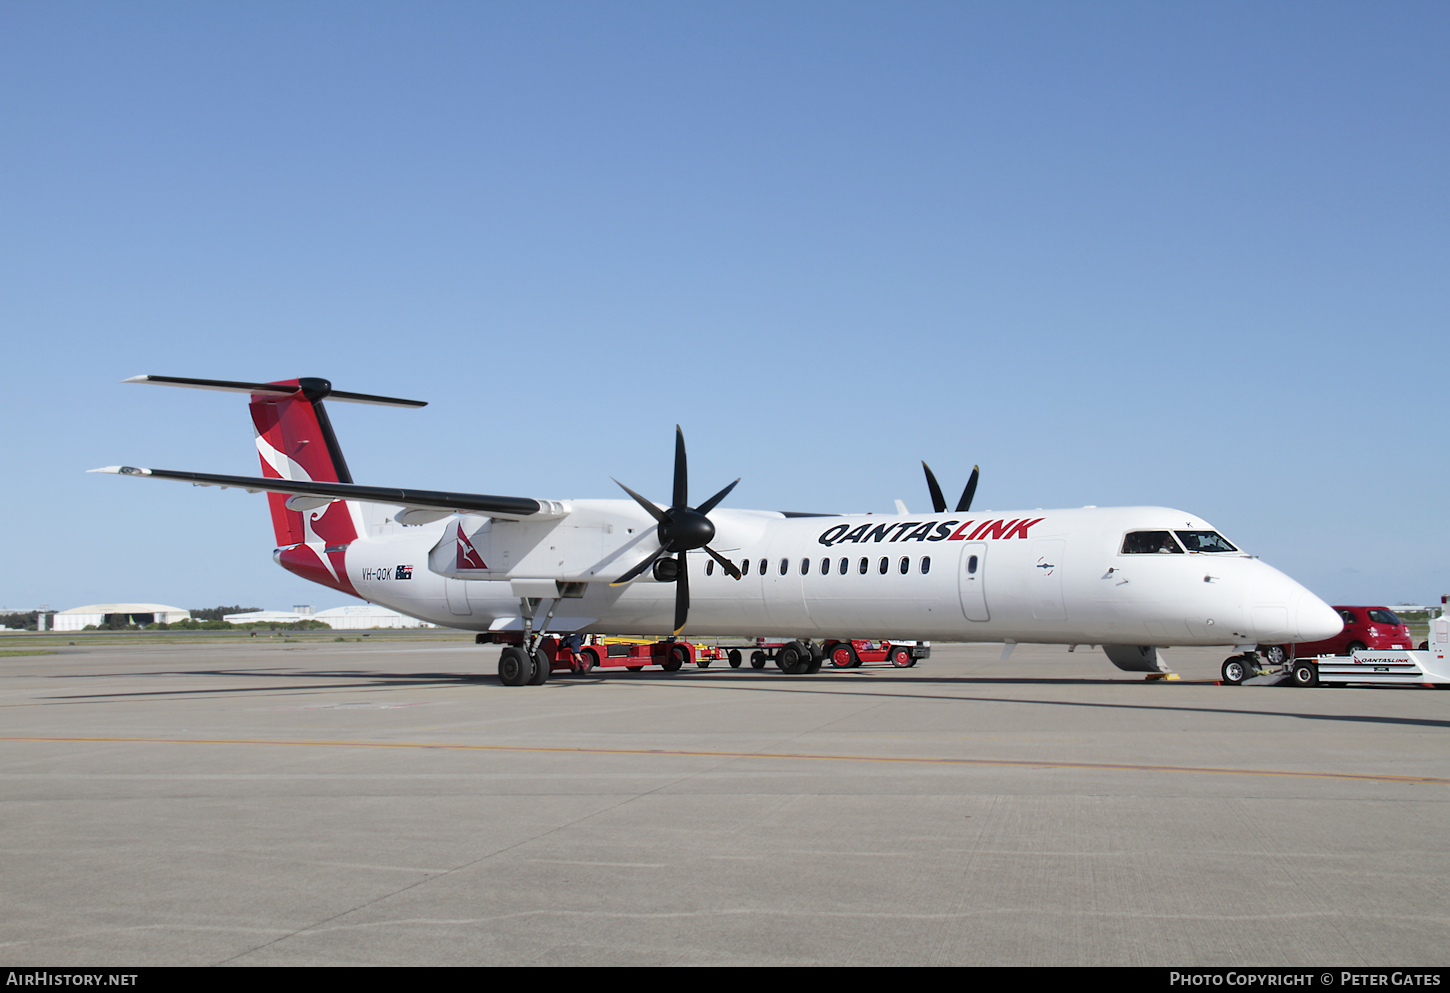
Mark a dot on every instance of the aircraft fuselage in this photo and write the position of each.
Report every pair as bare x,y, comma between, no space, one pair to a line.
1045,576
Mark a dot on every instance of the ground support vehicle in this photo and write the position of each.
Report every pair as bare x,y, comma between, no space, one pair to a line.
1393,668
797,657
597,652
627,653
850,654
1396,667
517,666
761,651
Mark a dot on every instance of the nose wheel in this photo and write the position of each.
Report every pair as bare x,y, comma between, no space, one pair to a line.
1237,668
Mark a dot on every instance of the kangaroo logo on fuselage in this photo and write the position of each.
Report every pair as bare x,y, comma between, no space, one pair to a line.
468,557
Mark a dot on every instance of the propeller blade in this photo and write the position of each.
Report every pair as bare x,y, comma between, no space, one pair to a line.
938,502
709,504
682,475
725,563
639,568
965,503
682,594
655,512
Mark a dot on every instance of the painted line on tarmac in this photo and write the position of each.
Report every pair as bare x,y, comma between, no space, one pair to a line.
689,753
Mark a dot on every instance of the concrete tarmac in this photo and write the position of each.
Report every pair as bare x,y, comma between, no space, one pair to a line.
390,803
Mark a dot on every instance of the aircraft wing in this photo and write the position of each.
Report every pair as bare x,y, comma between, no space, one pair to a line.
422,505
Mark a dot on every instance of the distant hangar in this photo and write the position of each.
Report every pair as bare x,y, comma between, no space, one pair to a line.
353,617
100,614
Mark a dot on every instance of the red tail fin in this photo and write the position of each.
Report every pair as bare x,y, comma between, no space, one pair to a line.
295,441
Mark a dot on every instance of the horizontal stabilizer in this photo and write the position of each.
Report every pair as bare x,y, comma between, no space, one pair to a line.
503,507
313,389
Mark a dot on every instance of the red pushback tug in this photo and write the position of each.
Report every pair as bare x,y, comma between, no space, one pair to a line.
794,657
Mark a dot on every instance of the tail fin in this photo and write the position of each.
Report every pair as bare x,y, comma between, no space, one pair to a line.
295,441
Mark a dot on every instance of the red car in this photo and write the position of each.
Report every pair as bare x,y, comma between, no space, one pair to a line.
1364,627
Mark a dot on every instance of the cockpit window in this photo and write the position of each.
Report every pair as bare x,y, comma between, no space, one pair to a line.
1144,542
1204,541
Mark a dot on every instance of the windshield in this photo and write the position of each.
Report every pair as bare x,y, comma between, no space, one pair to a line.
1144,542
1204,541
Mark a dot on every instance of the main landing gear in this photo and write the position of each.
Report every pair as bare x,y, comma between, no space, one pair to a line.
520,665
517,667
796,659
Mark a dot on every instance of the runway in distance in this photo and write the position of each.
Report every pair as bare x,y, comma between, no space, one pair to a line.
1131,579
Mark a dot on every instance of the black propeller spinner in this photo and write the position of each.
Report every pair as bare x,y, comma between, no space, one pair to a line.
681,528
939,502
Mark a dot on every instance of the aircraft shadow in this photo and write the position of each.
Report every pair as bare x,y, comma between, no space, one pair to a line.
901,680
751,680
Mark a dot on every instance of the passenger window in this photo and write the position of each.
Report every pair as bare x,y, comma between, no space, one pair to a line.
845,566
905,565
972,566
805,566
710,568
865,565
883,565
1349,617
1145,542
825,567
926,565
745,568
762,567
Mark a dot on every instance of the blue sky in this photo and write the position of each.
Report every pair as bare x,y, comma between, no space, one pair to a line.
1181,254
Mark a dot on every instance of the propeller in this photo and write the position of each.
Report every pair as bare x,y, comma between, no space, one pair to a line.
939,502
681,528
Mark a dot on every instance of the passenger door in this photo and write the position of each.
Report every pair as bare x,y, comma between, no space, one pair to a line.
972,581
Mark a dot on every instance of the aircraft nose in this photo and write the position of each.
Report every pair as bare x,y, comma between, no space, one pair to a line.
1315,619
1284,611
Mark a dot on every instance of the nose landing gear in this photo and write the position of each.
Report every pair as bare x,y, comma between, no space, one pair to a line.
1237,668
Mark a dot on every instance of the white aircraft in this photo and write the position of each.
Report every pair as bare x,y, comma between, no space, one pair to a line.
1131,579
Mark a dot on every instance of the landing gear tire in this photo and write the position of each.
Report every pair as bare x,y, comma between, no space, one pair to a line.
757,660
1235,670
515,668
1275,654
843,655
1306,674
541,669
793,658
734,657
901,658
